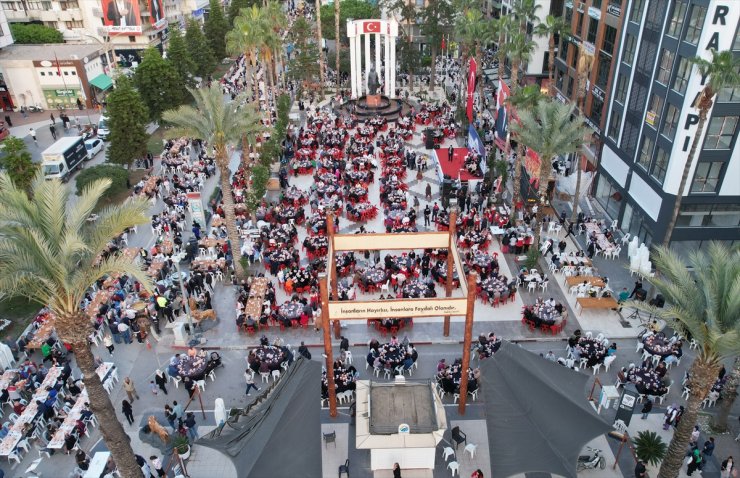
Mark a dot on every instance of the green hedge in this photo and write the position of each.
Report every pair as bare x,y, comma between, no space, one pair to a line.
117,174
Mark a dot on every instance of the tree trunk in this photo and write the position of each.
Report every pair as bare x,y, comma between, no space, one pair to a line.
545,173
336,41
514,76
432,77
111,428
501,56
703,374
551,67
222,161
319,42
411,70
729,395
518,173
574,215
705,104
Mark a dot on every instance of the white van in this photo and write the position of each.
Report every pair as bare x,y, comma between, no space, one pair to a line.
103,131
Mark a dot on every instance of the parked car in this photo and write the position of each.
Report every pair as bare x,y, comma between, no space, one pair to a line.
93,147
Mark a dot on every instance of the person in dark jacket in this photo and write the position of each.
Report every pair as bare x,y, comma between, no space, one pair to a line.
647,408
128,411
344,344
161,379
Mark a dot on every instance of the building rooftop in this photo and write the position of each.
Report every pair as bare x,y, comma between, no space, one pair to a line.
42,52
392,404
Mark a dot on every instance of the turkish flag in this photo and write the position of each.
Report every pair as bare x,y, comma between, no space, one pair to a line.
371,27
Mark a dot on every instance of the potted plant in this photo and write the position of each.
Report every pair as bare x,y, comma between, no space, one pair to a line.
650,448
182,445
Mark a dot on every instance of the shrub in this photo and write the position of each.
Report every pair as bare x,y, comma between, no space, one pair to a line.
117,175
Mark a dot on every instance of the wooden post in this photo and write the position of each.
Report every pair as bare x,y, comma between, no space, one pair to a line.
450,267
467,343
332,263
327,346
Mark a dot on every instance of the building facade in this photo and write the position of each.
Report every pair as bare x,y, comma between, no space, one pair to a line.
651,124
51,76
595,34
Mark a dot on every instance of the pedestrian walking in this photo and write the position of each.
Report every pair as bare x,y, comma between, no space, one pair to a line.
170,416
153,387
249,377
32,132
128,412
161,379
8,121
708,449
647,408
51,116
450,153
396,470
427,213
695,461
130,389
156,465
125,332
192,426
728,468
53,131
108,342
640,469
428,192
177,409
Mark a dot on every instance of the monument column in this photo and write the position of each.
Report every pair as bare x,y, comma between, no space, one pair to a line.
358,65
353,71
393,68
387,69
367,62
378,68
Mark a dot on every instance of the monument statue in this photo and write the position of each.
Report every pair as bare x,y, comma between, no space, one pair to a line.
372,81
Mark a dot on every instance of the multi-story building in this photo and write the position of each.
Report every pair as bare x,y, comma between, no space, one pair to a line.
595,32
6,39
651,125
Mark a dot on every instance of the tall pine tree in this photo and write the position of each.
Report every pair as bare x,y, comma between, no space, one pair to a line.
199,49
179,57
158,83
215,29
127,117
235,7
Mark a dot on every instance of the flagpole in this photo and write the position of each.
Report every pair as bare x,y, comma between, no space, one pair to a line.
59,71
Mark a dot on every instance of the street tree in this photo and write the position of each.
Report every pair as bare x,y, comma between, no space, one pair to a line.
551,129
220,124
200,50
303,65
524,98
702,301
51,254
127,118
235,8
436,18
17,162
215,28
355,9
35,34
158,83
179,57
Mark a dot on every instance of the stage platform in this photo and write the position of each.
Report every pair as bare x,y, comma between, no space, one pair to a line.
456,166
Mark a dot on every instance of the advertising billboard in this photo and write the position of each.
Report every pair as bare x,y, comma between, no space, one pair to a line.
156,10
122,17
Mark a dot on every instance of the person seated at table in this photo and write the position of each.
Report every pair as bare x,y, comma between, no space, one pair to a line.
448,385
82,460
612,350
407,361
676,354
18,407
72,387
69,442
240,319
250,322
4,431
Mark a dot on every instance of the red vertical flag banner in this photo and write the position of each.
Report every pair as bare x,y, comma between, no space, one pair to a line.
471,87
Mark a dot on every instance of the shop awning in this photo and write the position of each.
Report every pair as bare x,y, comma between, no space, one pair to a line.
102,82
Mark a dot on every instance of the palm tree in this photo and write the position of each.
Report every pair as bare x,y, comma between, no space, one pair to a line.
501,26
718,73
49,253
519,49
525,98
276,22
247,37
703,304
474,32
336,40
729,395
551,129
551,28
219,124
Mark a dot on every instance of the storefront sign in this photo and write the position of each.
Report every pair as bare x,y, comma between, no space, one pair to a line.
598,92
589,48
650,118
615,10
397,308
592,125
594,13
561,98
121,17
62,97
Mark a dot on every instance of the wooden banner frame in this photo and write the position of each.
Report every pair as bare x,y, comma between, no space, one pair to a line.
334,310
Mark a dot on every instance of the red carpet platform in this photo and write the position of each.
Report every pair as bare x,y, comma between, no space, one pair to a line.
456,166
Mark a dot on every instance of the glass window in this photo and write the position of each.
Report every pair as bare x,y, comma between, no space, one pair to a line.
579,23
637,8
614,123
729,95
720,132
656,108
629,49
574,59
706,177
621,92
608,196
679,12
671,121
559,81
682,75
661,165
569,91
696,22
593,27
646,152
563,50
708,215
602,76
664,66
597,108
725,215
610,37
596,4
568,15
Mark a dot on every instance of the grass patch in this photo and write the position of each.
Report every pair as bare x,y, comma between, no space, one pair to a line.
221,70
135,176
20,312
154,143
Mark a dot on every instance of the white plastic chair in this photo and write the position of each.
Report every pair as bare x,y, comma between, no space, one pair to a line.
544,284
176,381
386,287
265,377
454,467
201,385
448,452
596,367
532,286
275,375
212,375
348,357
608,361
470,449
